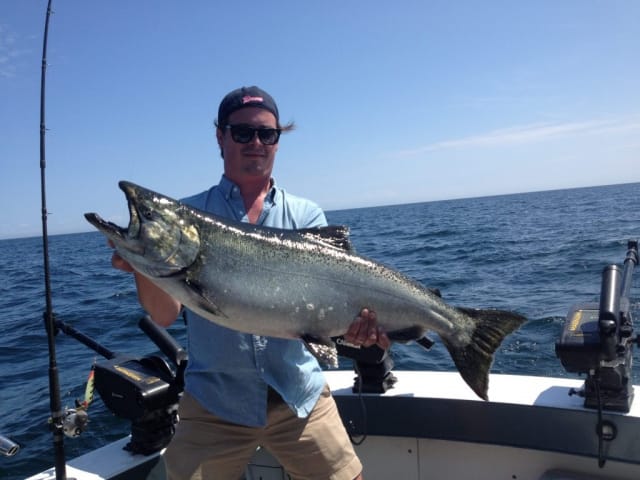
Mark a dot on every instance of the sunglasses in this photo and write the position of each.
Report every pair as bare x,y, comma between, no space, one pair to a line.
245,133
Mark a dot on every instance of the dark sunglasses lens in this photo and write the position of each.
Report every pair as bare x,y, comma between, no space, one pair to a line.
242,134
268,136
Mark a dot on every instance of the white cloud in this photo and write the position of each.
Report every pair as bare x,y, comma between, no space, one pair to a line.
534,133
9,52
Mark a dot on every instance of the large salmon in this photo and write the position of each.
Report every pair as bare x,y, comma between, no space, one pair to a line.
305,284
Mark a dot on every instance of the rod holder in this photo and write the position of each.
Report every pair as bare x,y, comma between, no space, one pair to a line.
8,448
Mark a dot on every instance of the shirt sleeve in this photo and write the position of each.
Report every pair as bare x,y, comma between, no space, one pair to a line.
315,217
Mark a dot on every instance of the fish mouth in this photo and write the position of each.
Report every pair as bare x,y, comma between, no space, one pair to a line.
113,231
155,243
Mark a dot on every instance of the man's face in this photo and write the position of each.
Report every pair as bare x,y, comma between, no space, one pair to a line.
248,162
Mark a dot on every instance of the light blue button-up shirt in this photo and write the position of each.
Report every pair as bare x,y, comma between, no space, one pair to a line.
228,371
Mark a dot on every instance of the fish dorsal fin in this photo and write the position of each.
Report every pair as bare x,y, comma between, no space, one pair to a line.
336,236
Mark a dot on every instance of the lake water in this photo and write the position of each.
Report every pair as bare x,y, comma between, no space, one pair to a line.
535,253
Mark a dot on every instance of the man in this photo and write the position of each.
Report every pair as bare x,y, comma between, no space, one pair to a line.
244,390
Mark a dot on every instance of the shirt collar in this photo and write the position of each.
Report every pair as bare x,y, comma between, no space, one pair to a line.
231,191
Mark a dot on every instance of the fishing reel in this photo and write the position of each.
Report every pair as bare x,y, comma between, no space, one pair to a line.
597,340
75,422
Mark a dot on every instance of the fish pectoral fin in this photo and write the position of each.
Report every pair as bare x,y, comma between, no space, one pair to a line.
202,300
323,349
336,236
406,334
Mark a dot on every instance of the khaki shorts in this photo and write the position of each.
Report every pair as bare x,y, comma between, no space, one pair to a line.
317,447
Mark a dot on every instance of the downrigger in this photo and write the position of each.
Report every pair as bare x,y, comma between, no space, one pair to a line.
143,390
597,340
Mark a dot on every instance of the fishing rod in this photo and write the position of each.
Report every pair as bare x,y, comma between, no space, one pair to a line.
57,415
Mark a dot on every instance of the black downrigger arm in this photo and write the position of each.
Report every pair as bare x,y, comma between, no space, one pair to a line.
82,338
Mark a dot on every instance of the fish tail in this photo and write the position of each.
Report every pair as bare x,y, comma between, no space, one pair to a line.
474,358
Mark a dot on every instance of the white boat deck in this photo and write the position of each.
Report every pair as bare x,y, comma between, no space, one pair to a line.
514,389
431,425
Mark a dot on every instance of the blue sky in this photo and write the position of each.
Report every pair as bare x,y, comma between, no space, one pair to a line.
395,102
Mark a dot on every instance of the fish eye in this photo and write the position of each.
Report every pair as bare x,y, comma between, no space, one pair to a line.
147,213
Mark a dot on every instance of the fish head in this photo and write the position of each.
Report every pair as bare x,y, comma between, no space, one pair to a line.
159,241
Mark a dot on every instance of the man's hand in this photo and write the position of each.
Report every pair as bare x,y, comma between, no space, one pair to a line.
118,262
365,331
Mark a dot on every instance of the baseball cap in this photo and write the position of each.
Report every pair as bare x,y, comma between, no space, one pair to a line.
245,97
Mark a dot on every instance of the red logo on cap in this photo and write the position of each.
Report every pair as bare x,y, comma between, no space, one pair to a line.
249,98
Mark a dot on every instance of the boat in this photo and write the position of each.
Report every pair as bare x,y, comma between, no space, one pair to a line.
425,424
406,424
430,426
